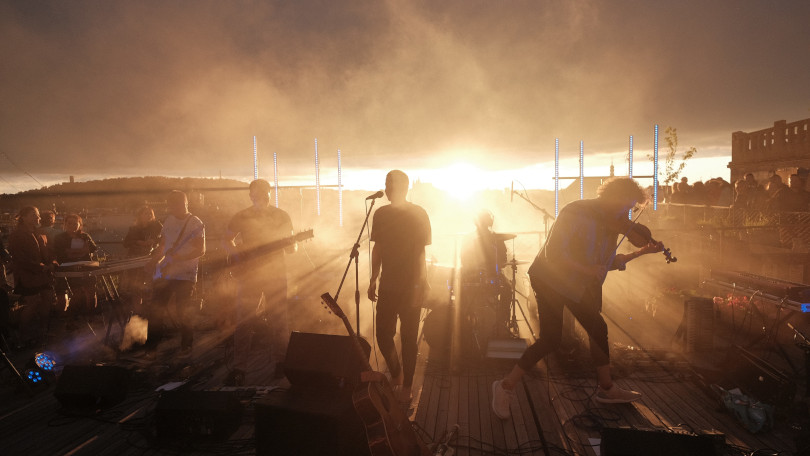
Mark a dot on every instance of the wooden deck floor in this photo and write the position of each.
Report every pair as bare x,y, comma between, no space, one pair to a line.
554,413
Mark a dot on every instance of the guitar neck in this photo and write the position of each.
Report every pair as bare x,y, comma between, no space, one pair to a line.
356,342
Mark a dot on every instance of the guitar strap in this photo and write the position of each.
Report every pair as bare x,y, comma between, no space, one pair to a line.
151,272
180,236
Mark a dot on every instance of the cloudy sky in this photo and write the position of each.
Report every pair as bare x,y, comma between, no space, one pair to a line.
127,88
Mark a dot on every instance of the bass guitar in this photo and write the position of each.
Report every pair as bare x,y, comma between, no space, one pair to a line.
388,429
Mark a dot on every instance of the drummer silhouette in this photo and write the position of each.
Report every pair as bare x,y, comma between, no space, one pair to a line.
483,251
483,254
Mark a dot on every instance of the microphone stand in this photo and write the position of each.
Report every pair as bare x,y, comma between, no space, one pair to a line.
546,215
355,253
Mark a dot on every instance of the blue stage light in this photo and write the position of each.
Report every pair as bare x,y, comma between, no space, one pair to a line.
33,376
44,361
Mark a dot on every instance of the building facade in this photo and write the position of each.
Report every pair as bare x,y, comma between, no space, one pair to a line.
783,149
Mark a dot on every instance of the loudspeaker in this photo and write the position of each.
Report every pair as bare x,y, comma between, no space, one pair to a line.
759,378
210,415
699,317
323,361
91,388
308,422
646,442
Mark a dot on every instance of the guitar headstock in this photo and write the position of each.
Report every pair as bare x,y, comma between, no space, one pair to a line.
303,235
332,305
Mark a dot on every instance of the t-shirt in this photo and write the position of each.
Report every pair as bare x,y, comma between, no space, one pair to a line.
172,228
258,229
68,248
148,232
578,234
401,232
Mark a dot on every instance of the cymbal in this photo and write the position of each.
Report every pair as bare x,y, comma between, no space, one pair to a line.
504,236
514,263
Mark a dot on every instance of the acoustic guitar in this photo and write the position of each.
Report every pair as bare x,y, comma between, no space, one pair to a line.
388,430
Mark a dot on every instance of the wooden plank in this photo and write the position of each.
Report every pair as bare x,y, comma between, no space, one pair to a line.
484,413
453,404
466,430
497,425
537,390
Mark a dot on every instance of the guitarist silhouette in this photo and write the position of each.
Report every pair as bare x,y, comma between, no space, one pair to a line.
260,269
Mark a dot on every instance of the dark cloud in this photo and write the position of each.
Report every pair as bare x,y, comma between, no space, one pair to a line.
181,87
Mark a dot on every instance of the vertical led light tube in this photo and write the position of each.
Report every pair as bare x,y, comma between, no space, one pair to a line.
255,160
275,175
340,192
581,170
630,170
556,177
630,158
317,180
655,171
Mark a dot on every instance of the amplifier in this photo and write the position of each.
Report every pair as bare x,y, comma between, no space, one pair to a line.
624,441
206,415
309,422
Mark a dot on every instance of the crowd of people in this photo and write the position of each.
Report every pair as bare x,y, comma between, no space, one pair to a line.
747,194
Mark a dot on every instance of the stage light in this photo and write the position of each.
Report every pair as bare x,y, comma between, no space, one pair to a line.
34,376
40,369
45,361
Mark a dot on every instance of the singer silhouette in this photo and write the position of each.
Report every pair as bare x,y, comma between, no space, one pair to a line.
400,231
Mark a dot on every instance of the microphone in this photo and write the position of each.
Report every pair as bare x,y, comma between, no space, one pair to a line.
375,195
512,193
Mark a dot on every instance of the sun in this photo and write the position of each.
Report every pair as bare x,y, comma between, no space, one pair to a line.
460,180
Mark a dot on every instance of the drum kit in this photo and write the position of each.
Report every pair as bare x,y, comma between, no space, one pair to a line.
487,301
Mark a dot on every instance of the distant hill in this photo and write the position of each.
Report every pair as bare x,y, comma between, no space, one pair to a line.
123,193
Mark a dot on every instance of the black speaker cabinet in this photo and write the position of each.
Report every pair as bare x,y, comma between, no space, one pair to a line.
309,421
645,442
323,361
90,388
759,378
208,415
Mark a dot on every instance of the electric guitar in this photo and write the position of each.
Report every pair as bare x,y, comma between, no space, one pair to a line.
388,429
269,247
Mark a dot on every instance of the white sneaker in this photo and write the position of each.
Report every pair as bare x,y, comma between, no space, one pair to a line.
616,395
500,400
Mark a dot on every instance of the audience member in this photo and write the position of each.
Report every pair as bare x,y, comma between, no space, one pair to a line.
791,198
697,194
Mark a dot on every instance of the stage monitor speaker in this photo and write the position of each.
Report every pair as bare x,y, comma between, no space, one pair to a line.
308,422
759,378
699,317
323,361
91,388
645,442
208,415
